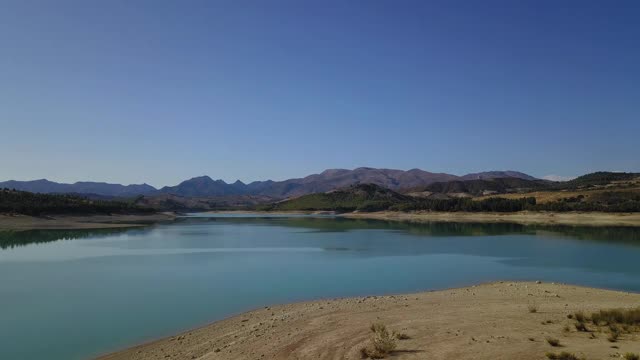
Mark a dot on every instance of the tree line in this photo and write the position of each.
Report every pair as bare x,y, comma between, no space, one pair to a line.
35,204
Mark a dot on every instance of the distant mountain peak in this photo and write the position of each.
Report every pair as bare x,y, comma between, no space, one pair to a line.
205,186
200,178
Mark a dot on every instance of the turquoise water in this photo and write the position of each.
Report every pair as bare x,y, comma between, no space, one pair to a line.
78,294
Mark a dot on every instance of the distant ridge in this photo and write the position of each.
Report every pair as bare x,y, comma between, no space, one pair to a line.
205,186
497,174
83,187
327,180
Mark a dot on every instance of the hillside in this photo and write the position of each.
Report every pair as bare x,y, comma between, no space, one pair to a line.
601,190
471,188
22,202
362,197
169,202
604,192
601,179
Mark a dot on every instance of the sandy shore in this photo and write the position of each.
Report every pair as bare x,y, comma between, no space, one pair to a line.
490,321
23,222
524,217
266,213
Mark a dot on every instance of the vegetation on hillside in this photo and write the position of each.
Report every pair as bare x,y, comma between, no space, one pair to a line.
22,202
362,197
483,186
368,197
599,178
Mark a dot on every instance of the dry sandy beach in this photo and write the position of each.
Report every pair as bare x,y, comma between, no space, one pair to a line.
23,222
523,217
489,321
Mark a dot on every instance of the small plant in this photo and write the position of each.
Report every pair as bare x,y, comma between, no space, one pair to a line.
383,343
631,356
553,341
561,356
401,336
580,326
532,308
580,317
614,333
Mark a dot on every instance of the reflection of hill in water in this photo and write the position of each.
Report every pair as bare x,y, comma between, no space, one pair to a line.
626,235
10,239
620,234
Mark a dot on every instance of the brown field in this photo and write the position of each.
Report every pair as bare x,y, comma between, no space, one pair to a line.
550,196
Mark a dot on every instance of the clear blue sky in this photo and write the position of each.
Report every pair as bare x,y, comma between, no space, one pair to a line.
159,91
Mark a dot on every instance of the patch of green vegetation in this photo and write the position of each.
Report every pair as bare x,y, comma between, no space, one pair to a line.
480,186
596,178
26,203
369,197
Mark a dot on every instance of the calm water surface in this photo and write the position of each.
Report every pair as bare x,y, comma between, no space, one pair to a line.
78,294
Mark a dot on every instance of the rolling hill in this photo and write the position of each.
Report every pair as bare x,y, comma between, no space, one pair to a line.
83,187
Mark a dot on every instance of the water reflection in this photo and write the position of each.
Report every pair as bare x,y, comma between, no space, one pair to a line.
15,238
618,234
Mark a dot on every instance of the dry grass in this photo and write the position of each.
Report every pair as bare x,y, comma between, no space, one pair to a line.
631,356
382,343
553,341
629,317
580,326
580,317
614,333
562,356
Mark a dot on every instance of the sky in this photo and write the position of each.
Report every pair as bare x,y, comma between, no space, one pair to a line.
160,91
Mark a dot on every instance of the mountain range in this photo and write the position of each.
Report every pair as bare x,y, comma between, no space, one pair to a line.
204,186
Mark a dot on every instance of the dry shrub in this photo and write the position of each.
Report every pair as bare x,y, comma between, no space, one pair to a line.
562,356
382,343
580,326
630,317
553,341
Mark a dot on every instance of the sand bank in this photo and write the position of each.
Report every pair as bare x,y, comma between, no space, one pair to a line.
489,321
523,217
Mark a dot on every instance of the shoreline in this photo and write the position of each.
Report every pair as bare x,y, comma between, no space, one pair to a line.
487,321
524,217
71,222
